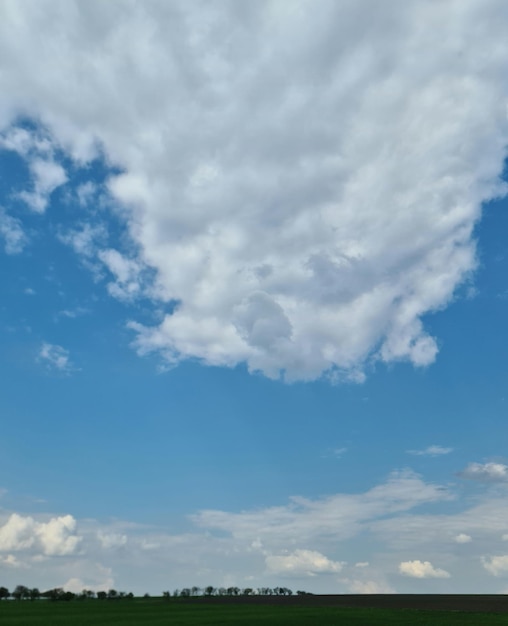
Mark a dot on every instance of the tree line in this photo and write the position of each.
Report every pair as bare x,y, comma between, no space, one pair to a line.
59,594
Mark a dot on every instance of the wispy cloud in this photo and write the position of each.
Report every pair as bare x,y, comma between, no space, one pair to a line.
433,450
11,230
55,358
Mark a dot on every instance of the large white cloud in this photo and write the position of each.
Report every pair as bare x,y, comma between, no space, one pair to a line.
55,537
304,180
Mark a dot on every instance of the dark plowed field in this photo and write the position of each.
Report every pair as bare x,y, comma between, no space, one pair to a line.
474,603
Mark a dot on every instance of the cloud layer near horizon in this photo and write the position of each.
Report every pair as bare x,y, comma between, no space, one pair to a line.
304,182
304,543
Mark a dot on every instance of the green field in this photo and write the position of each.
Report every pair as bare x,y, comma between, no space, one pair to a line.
156,612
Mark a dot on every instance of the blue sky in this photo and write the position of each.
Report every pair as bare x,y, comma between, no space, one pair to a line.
253,321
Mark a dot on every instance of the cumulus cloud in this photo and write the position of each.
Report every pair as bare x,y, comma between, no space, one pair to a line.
463,538
55,537
431,451
307,562
55,358
496,565
421,569
304,182
11,231
486,472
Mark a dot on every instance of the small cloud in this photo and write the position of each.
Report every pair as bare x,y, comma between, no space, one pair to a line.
86,240
362,564
486,472
111,540
421,569
307,562
29,291
431,451
338,452
47,175
11,561
11,231
73,313
496,564
368,587
85,193
55,357
505,537
463,538
127,273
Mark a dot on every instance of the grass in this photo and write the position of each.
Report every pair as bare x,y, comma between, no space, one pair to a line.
155,612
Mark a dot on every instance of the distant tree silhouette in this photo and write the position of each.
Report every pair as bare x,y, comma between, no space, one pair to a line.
21,592
4,593
34,593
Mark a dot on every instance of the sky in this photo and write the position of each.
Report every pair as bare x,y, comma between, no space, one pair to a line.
253,278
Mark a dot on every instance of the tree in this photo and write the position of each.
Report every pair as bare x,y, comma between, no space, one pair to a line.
112,594
102,595
21,592
209,591
34,593
4,593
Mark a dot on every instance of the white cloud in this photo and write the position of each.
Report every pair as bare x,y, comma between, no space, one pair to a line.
362,564
340,516
306,201
421,569
486,472
127,274
12,561
368,586
37,147
463,538
299,561
73,313
431,451
55,357
47,176
85,193
496,565
85,240
11,230
55,537
111,540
